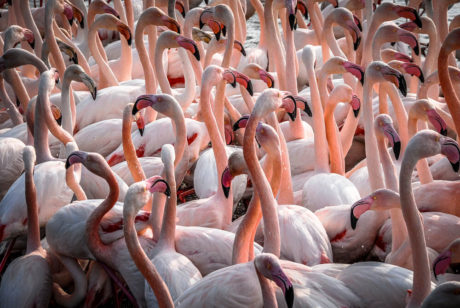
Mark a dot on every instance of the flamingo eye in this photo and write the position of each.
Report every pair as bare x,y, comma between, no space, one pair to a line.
374,197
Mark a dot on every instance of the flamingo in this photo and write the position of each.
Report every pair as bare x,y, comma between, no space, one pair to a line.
445,266
27,280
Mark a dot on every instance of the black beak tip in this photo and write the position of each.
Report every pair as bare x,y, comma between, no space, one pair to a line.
362,80
59,120
224,31
82,24
293,115
135,110
443,131
75,59
356,112
226,191
418,21
421,77
354,220
235,126
402,85
218,35
289,296
455,166
417,50
233,84
356,44
197,54
291,21
201,24
94,93
129,40
307,110
249,88
243,51
397,149
141,131
67,163
32,44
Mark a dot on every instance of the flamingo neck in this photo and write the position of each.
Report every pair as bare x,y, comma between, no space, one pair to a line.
332,135
400,111
257,5
159,69
50,37
187,97
274,45
33,226
328,36
272,242
128,147
79,279
13,112
373,166
144,264
106,76
450,96
30,24
321,149
268,294
423,170
168,230
150,86
40,127
422,279
97,247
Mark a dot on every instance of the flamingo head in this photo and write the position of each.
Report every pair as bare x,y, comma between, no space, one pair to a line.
389,74
179,6
291,9
302,7
408,12
267,78
29,37
57,115
170,23
76,157
384,125
157,184
436,120
268,265
189,45
125,31
140,123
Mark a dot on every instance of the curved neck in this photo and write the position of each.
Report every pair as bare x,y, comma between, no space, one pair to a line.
33,227
50,36
430,60
67,105
328,36
450,96
272,242
257,5
423,170
400,111
6,103
192,19
128,147
79,280
187,97
106,76
159,69
268,294
422,279
95,244
144,264
371,26
150,86
30,24
42,111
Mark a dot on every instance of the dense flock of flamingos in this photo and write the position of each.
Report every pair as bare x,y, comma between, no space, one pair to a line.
337,132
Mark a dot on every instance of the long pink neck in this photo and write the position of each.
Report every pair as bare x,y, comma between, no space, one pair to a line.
50,36
33,227
168,230
274,45
332,133
143,262
423,170
321,154
95,244
30,24
192,19
40,128
373,166
159,69
272,242
422,279
268,294
446,84
401,113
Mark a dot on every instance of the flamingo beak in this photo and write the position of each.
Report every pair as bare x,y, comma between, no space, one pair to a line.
290,105
410,13
450,149
355,70
171,24
180,7
226,181
283,282
230,77
142,102
126,32
245,82
75,157
393,137
267,78
355,105
189,45
237,45
292,21
359,208
442,263
302,104
241,123
414,70
89,83
436,120
160,185
303,9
